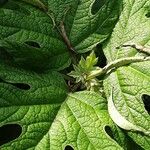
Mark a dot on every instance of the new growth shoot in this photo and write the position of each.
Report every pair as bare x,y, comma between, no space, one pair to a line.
87,71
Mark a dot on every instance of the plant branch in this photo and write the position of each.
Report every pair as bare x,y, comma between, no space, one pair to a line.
62,30
140,48
63,33
116,64
71,50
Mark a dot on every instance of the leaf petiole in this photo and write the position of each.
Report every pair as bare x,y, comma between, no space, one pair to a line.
140,48
116,64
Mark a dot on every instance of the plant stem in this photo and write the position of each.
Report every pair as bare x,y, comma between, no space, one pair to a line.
138,47
116,64
66,40
71,50
62,30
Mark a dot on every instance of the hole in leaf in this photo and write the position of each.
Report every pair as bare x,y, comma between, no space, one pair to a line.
33,44
68,147
21,86
146,101
96,6
9,132
109,131
148,15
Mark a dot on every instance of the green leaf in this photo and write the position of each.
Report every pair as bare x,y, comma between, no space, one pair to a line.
49,118
28,24
91,61
37,3
32,36
24,55
83,118
120,120
132,81
22,22
133,26
86,28
84,69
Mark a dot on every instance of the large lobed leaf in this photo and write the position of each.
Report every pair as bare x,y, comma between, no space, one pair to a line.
130,83
22,23
51,119
133,26
28,24
45,110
